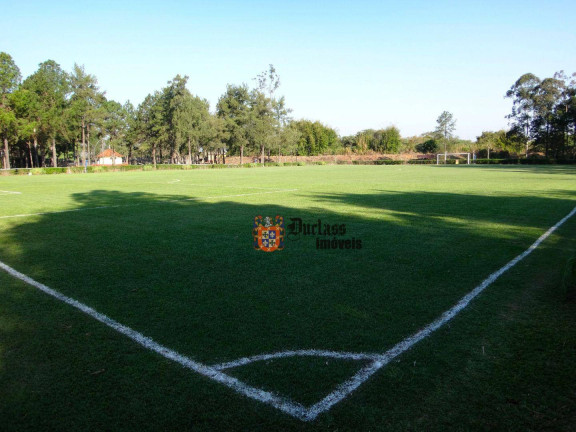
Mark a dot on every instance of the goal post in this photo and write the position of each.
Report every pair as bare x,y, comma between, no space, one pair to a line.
445,155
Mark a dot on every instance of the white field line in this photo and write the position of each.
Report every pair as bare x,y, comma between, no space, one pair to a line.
204,185
364,374
298,353
3,192
289,407
381,360
293,408
136,204
241,195
165,182
227,186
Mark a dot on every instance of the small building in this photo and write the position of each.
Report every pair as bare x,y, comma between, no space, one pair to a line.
109,157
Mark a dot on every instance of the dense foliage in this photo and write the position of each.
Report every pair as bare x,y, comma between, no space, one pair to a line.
382,141
544,114
58,118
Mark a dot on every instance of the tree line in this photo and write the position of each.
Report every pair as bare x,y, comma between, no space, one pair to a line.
57,118
54,117
543,123
543,114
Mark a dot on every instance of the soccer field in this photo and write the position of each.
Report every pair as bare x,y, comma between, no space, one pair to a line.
164,316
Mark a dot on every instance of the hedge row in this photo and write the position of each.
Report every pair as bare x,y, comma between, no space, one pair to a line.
119,168
97,169
529,161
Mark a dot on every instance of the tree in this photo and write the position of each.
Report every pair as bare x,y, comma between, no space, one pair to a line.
391,140
288,140
152,127
234,108
445,125
23,103
543,111
428,146
491,141
174,101
8,131
85,105
546,98
315,138
115,126
275,117
523,107
190,118
51,86
261,122
9,81
212,135
131,135
9,77
383,140
268,81
569,109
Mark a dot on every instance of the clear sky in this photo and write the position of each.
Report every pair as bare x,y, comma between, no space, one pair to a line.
352,65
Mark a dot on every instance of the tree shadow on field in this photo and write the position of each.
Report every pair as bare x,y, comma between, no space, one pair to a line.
172,265
532,169
184,272
416,208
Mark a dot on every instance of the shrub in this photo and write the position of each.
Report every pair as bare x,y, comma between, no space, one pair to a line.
430,146
490,161
422,162
53,170
388,162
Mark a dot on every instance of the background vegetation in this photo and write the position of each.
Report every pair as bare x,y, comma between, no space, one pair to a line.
58,118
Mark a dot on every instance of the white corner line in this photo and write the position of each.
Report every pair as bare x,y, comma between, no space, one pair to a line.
364,374
290,407
297,353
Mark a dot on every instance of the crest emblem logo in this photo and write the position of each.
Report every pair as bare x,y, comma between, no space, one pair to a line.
268,235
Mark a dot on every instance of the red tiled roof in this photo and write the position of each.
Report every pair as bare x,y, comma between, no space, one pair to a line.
109,153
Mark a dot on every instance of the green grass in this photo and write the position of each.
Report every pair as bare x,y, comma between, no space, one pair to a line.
174,260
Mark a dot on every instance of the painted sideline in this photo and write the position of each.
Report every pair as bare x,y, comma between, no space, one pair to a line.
290,407
297,353
364,374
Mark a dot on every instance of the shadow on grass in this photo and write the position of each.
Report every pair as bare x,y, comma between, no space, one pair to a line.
184,272
533,169
171,265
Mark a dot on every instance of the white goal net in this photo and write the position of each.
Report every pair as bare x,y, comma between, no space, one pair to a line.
456,157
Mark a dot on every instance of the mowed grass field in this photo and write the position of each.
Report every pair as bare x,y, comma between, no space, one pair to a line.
170,254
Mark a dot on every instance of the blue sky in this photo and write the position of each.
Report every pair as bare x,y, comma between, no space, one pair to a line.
352,65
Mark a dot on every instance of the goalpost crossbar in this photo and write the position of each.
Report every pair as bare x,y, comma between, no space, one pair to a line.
451,154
